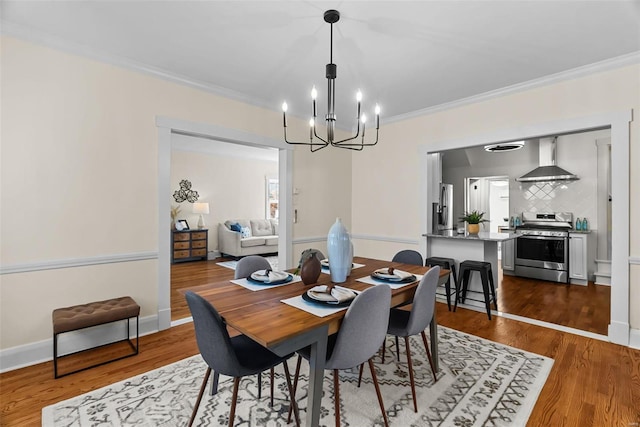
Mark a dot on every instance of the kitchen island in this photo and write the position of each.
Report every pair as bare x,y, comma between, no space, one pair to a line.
464,246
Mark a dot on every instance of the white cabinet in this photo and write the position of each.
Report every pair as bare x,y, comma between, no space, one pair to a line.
508,256
578,258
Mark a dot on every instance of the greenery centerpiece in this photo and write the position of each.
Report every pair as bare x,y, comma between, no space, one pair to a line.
474,219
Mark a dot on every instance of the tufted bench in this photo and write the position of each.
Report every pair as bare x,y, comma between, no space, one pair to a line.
82,316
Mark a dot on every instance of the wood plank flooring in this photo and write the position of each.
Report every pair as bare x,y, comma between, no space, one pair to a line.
581,307
586,308
592,383
189,274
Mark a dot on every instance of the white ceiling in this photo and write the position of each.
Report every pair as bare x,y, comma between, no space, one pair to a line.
407,55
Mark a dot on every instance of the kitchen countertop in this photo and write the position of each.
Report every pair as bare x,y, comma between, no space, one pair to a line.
580,231
483,236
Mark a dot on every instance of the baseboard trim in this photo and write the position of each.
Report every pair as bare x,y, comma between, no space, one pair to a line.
42,351
77,262
619,333
531,321
634,339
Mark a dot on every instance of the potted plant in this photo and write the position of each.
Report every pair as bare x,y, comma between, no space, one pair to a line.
474,219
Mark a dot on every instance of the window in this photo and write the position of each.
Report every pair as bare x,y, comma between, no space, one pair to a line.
272,192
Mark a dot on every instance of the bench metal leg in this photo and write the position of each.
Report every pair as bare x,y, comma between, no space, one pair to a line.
135,348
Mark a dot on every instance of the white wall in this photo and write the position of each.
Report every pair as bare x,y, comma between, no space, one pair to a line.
576,153
234,187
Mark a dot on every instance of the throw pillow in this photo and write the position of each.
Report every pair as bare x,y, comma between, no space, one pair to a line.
236,227
246,231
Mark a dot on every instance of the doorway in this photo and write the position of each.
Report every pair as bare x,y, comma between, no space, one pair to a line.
618,123
489,195
167,127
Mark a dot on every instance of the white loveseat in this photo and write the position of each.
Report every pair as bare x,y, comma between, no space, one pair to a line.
263,237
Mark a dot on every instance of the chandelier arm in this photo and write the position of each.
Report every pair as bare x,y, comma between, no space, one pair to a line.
342,141
362,144
311,144
331,17
319,137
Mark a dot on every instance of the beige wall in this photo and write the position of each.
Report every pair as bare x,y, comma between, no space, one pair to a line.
396,176
79,179
234,187
79,173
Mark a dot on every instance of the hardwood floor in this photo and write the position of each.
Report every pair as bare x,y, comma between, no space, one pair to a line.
581,307
189,274
592,383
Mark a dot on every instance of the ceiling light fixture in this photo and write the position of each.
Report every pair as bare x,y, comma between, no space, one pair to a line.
504,146
331,17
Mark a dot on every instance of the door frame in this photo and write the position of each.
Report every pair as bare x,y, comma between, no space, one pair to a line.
618,121
168,126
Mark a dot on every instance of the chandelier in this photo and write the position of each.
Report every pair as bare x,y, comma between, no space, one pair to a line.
316,142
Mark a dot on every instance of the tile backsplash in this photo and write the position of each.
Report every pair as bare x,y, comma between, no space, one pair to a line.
577,197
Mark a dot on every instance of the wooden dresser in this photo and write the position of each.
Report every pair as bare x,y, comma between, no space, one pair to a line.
189,245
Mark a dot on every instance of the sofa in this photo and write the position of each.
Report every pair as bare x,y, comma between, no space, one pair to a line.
242,237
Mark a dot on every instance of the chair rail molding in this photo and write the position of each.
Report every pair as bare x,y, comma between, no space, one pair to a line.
77,262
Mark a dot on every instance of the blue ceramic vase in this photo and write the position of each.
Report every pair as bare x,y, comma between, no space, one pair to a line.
340,252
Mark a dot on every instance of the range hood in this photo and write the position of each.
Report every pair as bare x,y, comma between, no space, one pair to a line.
547,171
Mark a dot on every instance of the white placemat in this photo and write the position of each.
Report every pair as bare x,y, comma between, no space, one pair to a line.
315,309
371,281
325,270
253,287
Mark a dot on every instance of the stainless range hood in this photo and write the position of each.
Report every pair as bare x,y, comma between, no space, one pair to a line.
547,171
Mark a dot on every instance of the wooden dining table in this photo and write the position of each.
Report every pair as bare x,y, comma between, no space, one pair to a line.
283,329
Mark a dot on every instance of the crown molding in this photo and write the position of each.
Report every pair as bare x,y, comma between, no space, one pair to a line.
38,37
574,73
19,31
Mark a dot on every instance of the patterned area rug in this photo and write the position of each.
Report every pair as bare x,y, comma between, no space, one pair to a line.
480,383
273,260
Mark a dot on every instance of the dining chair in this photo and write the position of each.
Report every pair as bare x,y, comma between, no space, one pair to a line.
250,264
236,357
360,335
245,267
403,323
408,256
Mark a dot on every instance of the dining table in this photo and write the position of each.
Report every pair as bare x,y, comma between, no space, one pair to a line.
283,328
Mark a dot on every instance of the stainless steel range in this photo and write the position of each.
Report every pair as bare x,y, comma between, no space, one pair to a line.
542,250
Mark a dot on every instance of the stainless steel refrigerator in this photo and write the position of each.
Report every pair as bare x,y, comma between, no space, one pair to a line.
442,213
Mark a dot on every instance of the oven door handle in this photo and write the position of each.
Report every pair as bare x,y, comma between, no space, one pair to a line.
542,237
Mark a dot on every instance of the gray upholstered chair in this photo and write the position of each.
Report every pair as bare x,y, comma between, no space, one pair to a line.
319,254
236,357
359,338
250,264
408,256
245,267
403,323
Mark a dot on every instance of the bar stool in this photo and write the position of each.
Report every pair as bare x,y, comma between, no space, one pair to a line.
447,264
488,288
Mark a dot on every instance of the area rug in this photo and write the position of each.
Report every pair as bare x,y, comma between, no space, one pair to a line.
480,383
273,260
